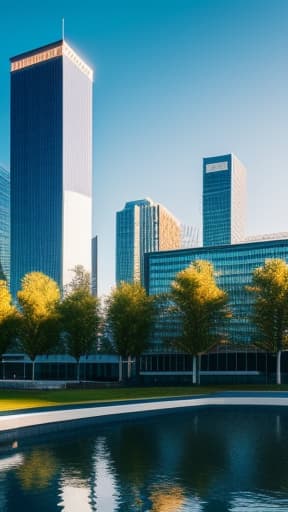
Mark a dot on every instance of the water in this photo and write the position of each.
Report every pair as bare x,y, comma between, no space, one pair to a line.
212,460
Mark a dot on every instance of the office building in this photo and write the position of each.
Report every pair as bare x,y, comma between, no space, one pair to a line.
51,163
233,265
4,224
94,268
142,226
224,200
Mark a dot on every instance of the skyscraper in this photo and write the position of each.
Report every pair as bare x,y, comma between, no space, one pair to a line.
142,226
4,224
51,163
224,200
94,268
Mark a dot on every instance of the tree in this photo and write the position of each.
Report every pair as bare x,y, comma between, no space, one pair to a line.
38,323
270,310
8,317
80,280
130,315
80,317
201,307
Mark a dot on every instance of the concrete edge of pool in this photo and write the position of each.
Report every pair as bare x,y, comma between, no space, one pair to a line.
33,423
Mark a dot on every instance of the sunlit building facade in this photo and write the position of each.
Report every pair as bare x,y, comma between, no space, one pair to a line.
4,224
51,163
142,226
224,200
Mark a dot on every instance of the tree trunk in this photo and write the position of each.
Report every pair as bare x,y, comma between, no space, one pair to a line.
33,369
120,369
129,368
137,369
199,370
278,370
194,379
78,370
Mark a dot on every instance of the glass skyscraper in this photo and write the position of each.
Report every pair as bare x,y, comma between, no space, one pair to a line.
4,224
224,200
51,163
142,226
94,268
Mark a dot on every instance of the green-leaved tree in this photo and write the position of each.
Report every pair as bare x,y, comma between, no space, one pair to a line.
270,311
38,321
80,280
130,314
80,317
200,306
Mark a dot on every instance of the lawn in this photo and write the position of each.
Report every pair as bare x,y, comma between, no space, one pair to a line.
11,400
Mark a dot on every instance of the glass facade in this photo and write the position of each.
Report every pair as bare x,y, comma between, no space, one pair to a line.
51,163
4,224
233,264
224,200
142,226
94,273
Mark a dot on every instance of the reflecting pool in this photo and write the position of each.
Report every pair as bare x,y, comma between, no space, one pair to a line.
212,460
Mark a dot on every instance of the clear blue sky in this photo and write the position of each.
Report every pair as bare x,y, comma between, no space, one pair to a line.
175,80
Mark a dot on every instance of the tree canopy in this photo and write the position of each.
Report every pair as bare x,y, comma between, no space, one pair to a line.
8,316
80,316
80,280
270,310
38,322
130,315
200,306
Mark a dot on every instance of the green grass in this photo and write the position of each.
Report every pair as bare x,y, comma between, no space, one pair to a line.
11,400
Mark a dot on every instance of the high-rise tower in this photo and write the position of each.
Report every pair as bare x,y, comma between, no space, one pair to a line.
4,224
51,163
142,226
224,200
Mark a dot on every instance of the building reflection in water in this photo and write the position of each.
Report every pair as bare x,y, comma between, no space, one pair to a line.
95,493
7,464
74,495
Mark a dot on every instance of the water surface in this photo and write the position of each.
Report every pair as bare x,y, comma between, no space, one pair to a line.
210,460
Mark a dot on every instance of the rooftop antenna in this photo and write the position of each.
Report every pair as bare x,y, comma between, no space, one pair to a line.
63,28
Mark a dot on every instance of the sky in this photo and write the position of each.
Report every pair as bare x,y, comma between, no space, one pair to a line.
175,81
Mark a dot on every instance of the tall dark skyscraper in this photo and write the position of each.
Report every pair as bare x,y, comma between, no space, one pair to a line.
51,163
224,200
4,224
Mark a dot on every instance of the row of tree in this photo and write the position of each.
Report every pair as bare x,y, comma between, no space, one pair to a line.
203,308
45,322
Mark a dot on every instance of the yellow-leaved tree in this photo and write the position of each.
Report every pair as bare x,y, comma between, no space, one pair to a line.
201,307
38,325
270,311
8,316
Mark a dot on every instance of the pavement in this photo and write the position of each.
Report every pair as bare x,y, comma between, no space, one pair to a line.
57,417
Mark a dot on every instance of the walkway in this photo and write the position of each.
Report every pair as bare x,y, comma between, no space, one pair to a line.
56,418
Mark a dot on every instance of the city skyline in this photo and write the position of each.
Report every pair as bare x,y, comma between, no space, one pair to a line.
174,83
